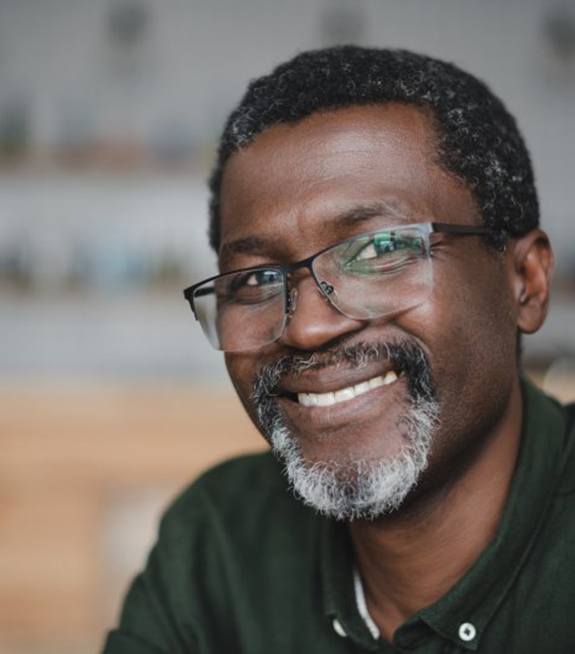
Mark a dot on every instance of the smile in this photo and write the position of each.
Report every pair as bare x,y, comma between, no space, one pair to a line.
347,393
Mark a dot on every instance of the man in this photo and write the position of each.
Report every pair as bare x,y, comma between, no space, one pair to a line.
376,223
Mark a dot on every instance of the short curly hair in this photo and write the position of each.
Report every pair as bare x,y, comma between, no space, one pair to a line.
477,138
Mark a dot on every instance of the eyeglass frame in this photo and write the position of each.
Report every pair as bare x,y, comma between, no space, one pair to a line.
286,269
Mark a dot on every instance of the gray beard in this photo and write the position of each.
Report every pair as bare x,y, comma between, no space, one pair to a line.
360,489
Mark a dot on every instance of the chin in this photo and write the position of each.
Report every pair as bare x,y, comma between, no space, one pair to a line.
356,486
343,449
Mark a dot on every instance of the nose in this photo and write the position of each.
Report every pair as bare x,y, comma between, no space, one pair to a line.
314,321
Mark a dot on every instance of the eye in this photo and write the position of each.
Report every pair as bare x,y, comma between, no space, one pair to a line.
256,279
253,286
376,248
385,252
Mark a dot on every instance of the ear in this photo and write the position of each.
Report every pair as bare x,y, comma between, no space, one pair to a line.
531,262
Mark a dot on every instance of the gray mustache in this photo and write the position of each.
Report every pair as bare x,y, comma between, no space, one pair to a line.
405,356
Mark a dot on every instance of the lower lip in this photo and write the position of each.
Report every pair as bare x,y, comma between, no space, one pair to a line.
342,413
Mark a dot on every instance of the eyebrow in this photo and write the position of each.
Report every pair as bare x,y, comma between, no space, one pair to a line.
391,208
247,245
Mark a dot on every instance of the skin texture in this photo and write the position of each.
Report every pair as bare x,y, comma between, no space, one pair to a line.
283,198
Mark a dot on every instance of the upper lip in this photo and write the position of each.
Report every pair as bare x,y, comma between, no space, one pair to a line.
332,379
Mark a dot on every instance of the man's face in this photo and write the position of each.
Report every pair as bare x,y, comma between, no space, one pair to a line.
300,188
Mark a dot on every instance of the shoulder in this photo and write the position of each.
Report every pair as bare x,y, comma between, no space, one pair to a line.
214,554
567,484
226,531
249,474
232,482
552,426
232,498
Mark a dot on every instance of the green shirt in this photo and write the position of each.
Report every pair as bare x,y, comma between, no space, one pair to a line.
242,567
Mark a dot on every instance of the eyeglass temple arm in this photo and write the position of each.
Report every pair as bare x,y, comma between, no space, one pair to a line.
446,228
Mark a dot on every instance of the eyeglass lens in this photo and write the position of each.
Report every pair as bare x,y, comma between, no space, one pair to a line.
369,276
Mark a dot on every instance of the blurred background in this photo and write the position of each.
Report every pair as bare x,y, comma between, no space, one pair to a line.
110,401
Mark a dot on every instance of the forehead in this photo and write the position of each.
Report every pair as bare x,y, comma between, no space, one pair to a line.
293,182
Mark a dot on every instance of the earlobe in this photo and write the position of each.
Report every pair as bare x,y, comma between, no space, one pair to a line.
532,261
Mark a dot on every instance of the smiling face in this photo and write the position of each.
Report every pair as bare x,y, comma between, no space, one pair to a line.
334,402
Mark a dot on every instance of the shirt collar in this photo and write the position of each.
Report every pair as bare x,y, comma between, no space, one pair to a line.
338,585
475,597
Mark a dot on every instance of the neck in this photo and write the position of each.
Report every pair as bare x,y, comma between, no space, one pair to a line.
408,561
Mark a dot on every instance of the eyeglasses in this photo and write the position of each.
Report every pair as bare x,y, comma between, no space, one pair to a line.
369,276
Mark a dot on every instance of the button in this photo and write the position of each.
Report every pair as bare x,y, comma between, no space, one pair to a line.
467,631
339,630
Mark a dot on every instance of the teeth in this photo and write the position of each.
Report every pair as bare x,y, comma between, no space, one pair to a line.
361,388
390,377
325,399
344,394
376,381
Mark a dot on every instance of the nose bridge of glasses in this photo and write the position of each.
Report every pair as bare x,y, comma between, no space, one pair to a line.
303,273
316,319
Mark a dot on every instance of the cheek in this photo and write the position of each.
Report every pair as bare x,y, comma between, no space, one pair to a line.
469,326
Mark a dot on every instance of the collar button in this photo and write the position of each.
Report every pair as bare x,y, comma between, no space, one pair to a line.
467,632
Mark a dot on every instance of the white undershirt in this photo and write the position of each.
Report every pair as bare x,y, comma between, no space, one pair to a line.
362,604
